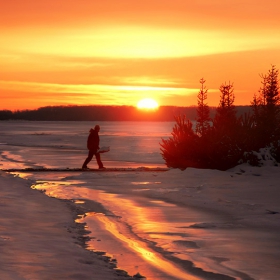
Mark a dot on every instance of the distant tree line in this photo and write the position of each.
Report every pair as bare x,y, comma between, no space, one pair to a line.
104,113
226,139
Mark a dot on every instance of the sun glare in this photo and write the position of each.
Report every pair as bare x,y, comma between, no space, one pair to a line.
147,103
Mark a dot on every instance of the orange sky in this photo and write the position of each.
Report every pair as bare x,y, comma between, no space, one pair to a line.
61,52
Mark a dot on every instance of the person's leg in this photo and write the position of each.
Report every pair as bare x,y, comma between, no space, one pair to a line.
88,159
98,159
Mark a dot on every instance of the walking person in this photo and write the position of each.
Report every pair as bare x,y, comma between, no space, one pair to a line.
93,146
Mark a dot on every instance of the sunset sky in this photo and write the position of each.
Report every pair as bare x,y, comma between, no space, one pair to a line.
85,52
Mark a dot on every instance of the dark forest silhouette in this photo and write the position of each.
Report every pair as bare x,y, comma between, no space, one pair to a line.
105,113
228,138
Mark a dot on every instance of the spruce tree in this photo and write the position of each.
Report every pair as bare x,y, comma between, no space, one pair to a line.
225,118
203,111
266,110
225,148
179,151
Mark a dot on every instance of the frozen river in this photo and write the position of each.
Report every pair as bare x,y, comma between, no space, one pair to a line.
63,144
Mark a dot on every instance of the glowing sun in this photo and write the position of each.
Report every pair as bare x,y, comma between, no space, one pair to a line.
147,103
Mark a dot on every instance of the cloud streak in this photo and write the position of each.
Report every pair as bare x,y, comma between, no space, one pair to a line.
88,94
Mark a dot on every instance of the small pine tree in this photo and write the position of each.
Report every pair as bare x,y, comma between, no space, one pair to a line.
179,151
266,108
270,89
203,111
225,118
225,149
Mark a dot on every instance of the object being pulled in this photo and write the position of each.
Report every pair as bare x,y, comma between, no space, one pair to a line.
104,149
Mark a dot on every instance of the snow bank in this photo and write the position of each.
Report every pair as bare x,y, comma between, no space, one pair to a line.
39,238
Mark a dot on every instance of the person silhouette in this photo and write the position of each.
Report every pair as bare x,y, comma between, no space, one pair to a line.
93,146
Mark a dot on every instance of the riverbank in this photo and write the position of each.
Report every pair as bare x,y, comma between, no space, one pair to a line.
39,238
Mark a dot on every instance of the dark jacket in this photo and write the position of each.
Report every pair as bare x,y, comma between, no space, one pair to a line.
93,140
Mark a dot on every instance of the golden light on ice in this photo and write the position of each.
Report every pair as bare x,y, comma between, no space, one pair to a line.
147,103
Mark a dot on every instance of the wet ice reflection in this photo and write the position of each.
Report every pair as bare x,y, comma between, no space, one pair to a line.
139,220
133,223
10,160
141,249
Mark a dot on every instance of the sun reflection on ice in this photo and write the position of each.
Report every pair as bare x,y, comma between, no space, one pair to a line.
141,248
